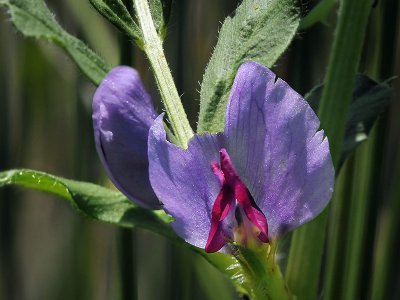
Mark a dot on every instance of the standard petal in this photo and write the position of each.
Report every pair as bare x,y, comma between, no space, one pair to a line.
184,181
122,116
272,138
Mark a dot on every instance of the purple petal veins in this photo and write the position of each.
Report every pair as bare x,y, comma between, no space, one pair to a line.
274,165
270,170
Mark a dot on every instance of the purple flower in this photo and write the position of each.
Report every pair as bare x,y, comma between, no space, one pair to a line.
122,116
269,171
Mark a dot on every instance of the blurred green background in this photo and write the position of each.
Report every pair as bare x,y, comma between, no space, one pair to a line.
47,251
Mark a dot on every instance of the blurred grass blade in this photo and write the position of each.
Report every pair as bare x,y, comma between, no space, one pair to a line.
386,248
307,289
361,217
337,231
260,31
116,12
369,100
333,113
33,18
92,200
318,14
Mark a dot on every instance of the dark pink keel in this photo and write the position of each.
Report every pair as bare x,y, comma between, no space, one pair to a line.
233,192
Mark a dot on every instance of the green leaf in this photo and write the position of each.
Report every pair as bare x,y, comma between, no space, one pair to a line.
263,274
369,100
109,206
260,31
318,14
230,267
33,18
92,200
116,12
161,13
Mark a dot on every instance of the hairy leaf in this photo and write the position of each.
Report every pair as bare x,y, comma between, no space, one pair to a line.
260,31
105,205
369,100
116,12
161,12
33,18
92,200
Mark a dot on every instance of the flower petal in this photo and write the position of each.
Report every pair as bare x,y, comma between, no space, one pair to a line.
223,205
122,116
272,138
184,181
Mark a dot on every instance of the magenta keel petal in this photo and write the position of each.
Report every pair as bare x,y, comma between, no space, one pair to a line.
223,205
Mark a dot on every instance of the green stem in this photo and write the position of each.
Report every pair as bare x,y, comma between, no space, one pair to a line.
342,67
387,241
299,263
360,212
299,266
169,94
386,245
337,233
263,273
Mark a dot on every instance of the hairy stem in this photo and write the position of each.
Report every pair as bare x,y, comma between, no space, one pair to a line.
169,94
263,273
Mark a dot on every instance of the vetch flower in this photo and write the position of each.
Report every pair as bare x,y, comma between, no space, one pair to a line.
268,172
122,116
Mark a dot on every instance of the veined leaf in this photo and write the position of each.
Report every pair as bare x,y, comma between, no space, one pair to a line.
260,31
92,200
33,18
109,206
116,12
161,12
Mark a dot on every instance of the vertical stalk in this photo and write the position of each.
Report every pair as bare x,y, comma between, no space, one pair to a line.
385,269
169,94
307,289
386,246
358,231
340,215
265,278
342,67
